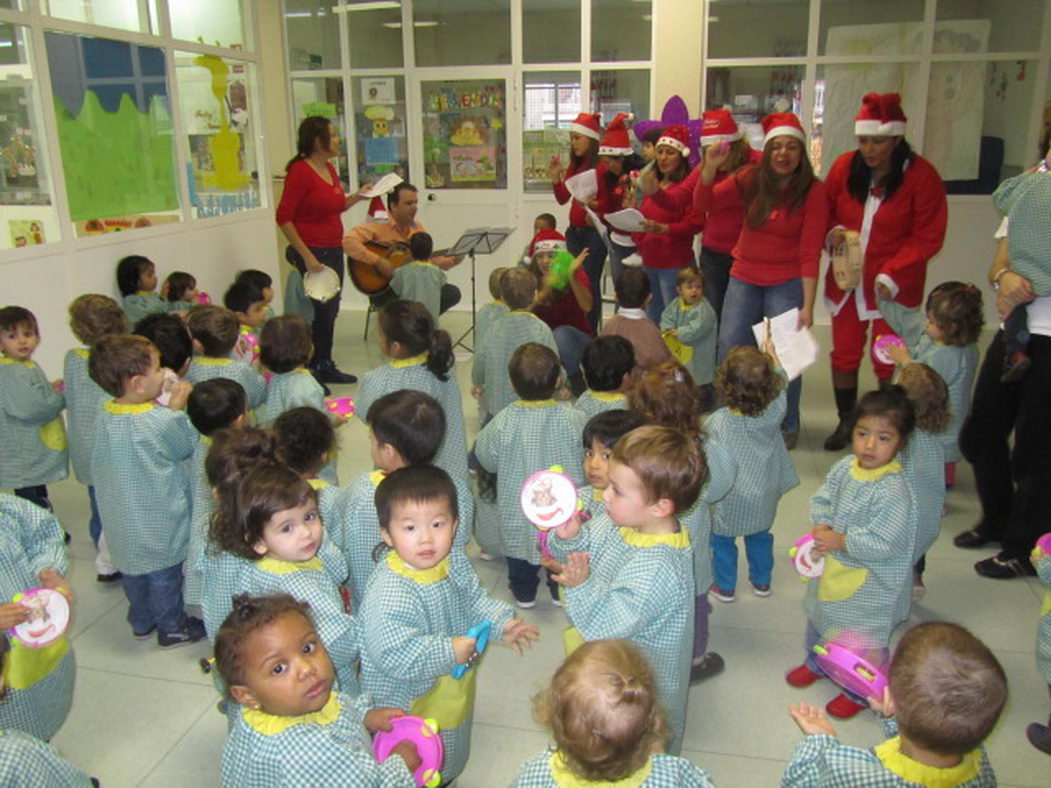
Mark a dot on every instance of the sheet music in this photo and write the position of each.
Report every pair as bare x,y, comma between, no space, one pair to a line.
482,240
597,223
797,350
384,185
629,220
584,185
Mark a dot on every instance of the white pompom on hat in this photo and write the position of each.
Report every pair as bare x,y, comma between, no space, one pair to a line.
377,210
547,240
676,136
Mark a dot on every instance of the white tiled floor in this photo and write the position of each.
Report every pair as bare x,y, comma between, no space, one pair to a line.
146,717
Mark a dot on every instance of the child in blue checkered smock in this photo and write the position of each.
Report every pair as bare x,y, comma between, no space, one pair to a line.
691,320
31,431
1040,735
636,579
420,279
527,436
946,691
290,726
214,331
607,363
947,342
305,441
421,359
751,384
601,434
137,282
421,601
27,761
37,682
491,312
180,292
865,526
249,303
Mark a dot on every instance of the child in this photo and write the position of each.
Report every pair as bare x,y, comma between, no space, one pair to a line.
516,328
601,434
639,584
25,759
947,341
262,281
39,681
421,359
215,332
692,321
213,405
249,304
90,317
170,336
633,293
864,524
543,221
1040,735
291,727
527,436
140,470
946,691
305,441
137,281
751,384
607,686
31,432
180,291
419,606
608,363
285,349
421,280
491,312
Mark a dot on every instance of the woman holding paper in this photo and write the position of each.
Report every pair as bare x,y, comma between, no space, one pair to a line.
777,254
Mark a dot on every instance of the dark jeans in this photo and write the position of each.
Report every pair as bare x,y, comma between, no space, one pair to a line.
36,494
571,342
156,601
450,297
578,239
524,578
716,269
95,524
325,314
1013,482
1016,330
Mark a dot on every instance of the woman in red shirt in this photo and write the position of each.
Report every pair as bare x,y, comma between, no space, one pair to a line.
309,216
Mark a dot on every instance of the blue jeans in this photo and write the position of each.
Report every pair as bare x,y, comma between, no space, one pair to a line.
577,240
744,306
759,548
662,290
156,601
523,578
95,523
571,342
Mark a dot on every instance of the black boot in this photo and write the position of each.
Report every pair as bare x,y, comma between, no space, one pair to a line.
840,437
325,371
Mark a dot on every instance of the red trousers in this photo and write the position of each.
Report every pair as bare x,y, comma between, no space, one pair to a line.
848,340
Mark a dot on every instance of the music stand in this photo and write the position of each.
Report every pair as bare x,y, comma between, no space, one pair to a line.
479,240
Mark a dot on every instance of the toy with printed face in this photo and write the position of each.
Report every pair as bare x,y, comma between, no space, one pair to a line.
48,617
809,562
880,345
424,734
549,498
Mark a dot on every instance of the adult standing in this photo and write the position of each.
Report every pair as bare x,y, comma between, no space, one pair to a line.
615,191
895,201
309,216
777,254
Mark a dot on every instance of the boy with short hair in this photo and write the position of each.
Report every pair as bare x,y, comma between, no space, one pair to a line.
543,221
691,320
631,321
215,333
306,438
249,303
946,691
142,485
170,336
607,362
491,312
601,434
635,580
421,280
529,435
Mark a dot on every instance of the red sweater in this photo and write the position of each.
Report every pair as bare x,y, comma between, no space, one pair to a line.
577,216
564,310
721,228
786,246
313,206
671,206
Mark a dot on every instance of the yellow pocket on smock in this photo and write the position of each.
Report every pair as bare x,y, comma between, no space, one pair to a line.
682,353
1046,607
572,640
25,666
53,435
449,701
839,582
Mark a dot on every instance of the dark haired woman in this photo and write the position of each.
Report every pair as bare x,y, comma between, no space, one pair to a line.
895,201
309,216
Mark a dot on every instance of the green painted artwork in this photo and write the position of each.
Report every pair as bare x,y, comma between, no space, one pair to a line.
324,109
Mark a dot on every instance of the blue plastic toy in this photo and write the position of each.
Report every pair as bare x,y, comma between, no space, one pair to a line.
480,633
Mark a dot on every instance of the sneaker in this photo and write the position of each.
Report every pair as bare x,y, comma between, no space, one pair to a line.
763,591
143,635
1000,568
191,633
525,604
843,708
112,577
722,596
802,677
1039,736
706,667
977,536
1015,367
326,371
556,602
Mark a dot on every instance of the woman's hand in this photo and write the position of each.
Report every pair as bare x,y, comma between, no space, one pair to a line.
650,226
713,160
577,262
1015,290
313,265
648,183
554,170
806,318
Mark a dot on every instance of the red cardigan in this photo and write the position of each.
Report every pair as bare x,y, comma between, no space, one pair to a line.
672,206
577,216
313,206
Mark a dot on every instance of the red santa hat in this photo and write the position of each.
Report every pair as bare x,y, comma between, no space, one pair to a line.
547,241
588,125
782,124
615,141
880,116
718,125
676,136
377,210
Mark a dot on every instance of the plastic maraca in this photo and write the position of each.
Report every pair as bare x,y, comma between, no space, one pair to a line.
203,299
424,734
480,633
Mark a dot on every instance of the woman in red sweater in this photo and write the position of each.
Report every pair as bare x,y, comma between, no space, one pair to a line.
309,216
777,254
666,245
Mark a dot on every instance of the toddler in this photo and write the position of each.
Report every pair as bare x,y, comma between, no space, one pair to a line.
608,363
495,309
419,605
864,524
423,281
137,282
31,433
529,435
601,434
691,320
143,487
262,281
215,333
291,725
543,221
1040,735
946,690
247,301
180,291
169,335
305,440
751,384
602,710
631,322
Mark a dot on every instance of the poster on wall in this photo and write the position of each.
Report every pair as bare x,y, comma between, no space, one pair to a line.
377,90
26,232
538,146
464,134
119,224
472,164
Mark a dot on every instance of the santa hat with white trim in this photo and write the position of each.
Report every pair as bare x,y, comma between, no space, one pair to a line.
782,124
718,125
588,125
676,136
615,141
880,116
547,240
378,211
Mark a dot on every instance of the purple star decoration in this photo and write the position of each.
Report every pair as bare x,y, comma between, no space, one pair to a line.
674,112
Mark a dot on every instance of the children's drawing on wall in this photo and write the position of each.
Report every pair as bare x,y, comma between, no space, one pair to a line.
26,232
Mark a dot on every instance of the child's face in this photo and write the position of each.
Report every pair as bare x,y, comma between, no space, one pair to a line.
627,503
690,291
543,261
421,532
292,534
287,671
596,464
649,153
934,329
255,316
19,342
268,295
190,294
541,224
152,381
875,441
148,279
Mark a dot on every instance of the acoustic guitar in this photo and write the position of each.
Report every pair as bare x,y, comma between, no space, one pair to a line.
368,278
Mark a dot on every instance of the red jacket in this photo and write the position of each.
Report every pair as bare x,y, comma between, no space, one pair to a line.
577,216
907,230
313,206
672,206
721,228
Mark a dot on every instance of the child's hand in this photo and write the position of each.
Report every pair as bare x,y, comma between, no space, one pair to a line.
826,540
570,528
884,706
477,391
672,332
810,719
898,354
180,393
12,614
53,579
406,750
578,261
550,564
563,394
463,648
517,634
575,571
58,385
379,718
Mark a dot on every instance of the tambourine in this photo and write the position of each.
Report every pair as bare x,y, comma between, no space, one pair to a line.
549,498
424,734
340,406
321,285
806,563
48,617
880,345
850,671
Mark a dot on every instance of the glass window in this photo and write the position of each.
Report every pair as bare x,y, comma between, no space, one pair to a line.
464,134
123,14
758,28
1000,26
322,96
626,90
469,32
379,127
751,92
550,32
215,95
215,22
313,35
375,33
550,103
621,29
27,212
860,27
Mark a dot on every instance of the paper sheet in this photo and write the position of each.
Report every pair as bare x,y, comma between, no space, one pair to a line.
797,350
629,220
596,222
384,185
583,186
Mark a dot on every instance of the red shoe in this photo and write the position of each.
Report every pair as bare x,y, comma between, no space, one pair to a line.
843,708
802,677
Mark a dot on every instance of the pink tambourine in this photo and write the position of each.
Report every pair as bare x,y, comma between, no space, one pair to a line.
548,498
1044,543
48,617
880,345
851,671
340,406
424,734
804,557
203,299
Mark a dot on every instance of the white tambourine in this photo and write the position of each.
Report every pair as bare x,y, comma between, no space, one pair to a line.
548,499
48,617
321,285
